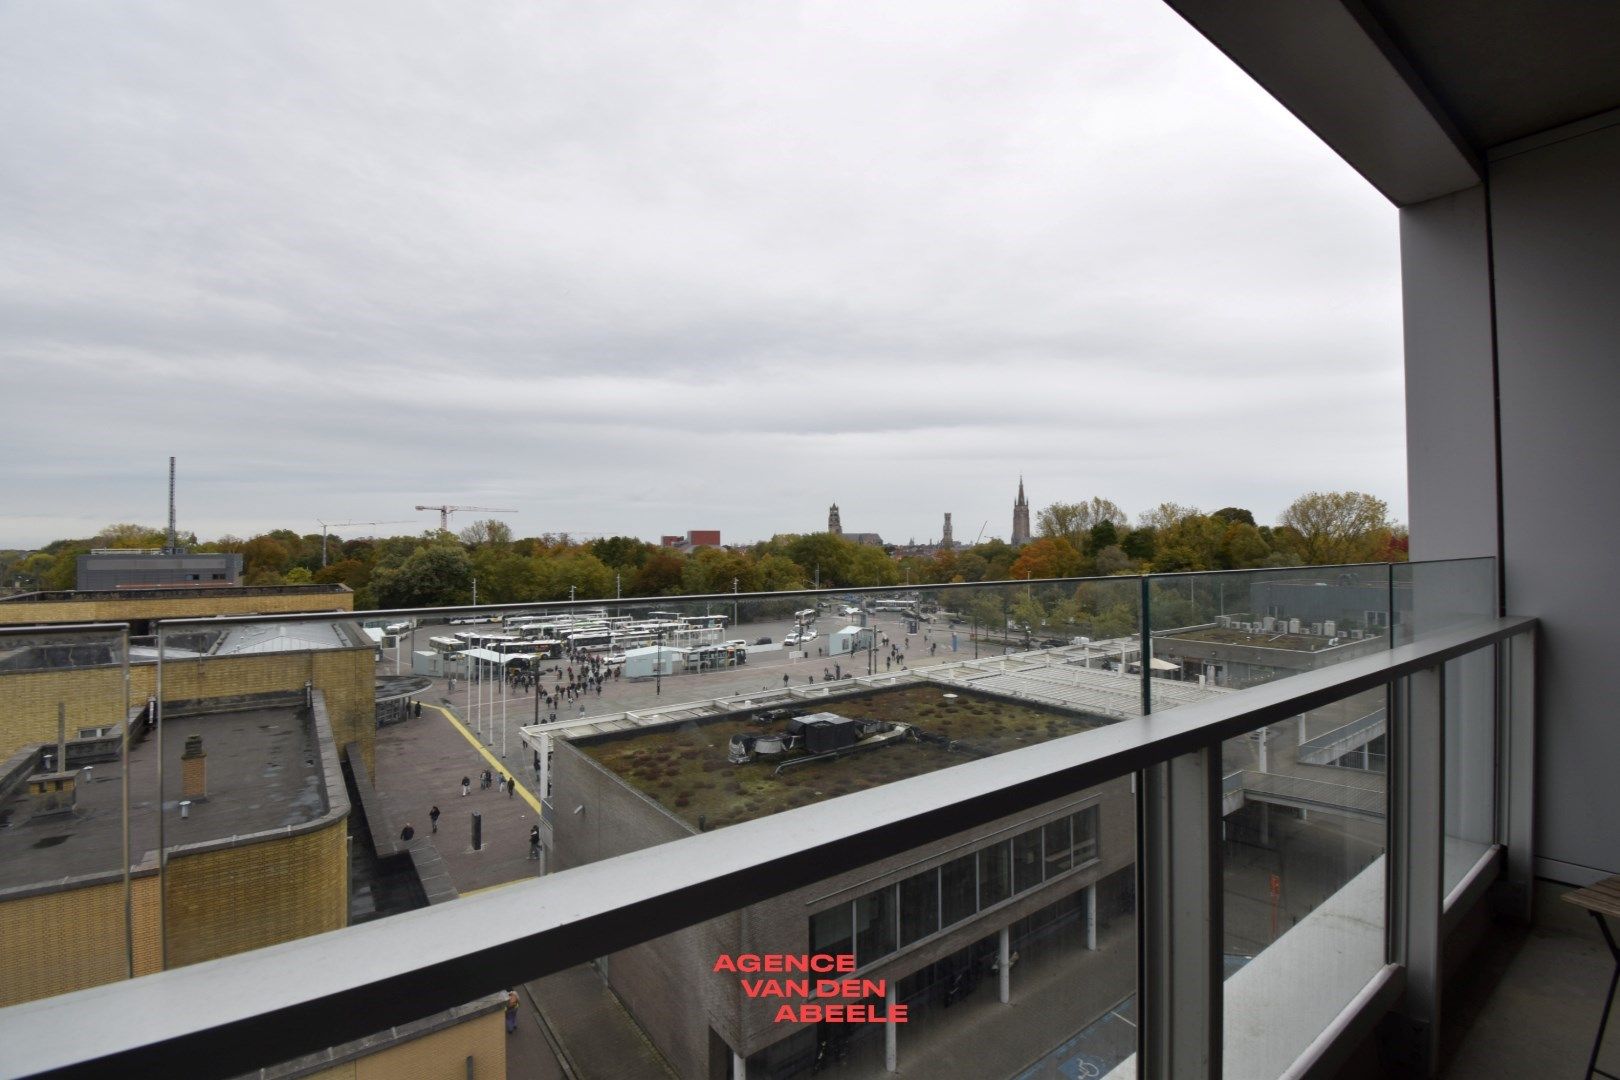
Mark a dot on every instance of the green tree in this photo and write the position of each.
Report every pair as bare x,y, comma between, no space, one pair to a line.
659,574
437,575
1234,515
621,552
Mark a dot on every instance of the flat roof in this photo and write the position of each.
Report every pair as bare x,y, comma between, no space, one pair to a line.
266,771
683,766
1221,635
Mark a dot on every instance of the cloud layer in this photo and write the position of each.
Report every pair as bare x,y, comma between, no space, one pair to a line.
644,268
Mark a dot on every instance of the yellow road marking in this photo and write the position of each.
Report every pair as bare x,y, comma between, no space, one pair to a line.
499,766
491,888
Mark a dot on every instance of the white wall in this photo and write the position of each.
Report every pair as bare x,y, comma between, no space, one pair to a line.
1555,216
1550,260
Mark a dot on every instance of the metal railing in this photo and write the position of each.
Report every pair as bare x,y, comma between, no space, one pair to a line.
228,1016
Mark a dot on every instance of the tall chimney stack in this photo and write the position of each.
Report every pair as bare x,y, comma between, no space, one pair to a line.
173,548
194,771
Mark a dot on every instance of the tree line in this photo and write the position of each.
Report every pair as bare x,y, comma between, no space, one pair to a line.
1073,539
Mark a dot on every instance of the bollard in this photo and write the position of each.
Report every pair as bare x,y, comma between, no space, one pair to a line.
477,831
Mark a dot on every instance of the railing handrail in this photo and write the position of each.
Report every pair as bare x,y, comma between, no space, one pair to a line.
1284,573
278,1002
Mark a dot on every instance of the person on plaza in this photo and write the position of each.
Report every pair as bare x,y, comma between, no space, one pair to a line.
510,787
501,785
433,816
511,1011
466,785
534,841
784,679
407,834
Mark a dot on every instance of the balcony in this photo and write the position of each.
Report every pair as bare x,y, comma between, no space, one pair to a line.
1185,825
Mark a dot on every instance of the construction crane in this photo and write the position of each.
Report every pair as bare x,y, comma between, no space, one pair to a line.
337,524
446,511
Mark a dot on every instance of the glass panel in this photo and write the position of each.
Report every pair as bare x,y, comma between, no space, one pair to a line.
830,931
875,926
919,906
74,918
958,890
1230,631
1085,836
995,874
1059,847
1430,597
1027,860
1303,854
1470,777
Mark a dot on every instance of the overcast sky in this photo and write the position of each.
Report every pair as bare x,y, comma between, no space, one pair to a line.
643,268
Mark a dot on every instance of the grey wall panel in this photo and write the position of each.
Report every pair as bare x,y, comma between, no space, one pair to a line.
1450,411
1555,214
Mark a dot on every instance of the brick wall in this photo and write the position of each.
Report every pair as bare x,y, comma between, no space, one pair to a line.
71,939
234,899
441,1055
94,697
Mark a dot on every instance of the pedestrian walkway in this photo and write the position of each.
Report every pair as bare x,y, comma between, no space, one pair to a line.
420,764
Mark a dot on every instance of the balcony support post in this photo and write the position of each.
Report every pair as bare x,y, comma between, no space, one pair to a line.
1179,898
1516,770
1417,857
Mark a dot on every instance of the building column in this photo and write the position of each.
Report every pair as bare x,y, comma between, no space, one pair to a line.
1004,966
1091,917
891,1034
739,1066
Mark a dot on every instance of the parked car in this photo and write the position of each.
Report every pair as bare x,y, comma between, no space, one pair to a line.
762,641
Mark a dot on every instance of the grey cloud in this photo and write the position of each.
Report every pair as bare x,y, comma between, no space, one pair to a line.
342,259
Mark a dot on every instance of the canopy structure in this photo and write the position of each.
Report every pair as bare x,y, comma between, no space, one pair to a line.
492,657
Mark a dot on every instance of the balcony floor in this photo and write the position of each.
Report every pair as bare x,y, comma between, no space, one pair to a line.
1527,1003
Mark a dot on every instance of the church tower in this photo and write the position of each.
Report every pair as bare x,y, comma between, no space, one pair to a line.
1020,529
945,540
834,526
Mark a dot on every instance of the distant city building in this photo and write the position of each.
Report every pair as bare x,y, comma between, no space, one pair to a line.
945,539
694,539
865,538
834,525
114,568
1020,529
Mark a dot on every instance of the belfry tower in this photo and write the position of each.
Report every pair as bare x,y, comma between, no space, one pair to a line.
834,526
1020,529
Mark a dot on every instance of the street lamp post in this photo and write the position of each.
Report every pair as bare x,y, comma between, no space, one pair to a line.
658,665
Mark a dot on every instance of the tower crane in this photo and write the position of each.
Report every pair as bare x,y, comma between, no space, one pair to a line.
446,511
335,524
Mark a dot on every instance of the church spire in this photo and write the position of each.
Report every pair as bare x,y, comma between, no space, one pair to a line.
1020,528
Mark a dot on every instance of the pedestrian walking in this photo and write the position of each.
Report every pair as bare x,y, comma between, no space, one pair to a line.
433,816
534,841
466,785
510,787
407,834
511,1011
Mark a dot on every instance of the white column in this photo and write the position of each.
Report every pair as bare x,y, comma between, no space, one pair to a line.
891,1036
503,711
1004,965
739,1066
1264,732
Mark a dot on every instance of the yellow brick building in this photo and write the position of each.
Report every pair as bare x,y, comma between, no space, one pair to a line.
142,606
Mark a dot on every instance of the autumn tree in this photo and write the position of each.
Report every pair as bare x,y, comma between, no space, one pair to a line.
1046,557
1337,527
1072,521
